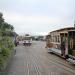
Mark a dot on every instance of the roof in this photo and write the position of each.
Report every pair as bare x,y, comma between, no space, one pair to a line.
64,29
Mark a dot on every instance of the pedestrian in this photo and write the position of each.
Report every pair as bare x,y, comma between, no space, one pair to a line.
63,48
14,51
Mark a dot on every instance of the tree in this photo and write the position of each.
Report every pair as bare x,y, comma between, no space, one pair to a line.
5,28
1,18
4,25
6,43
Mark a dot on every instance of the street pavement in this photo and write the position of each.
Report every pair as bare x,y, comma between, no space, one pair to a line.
35,60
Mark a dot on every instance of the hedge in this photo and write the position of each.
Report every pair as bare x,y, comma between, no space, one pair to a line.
6,47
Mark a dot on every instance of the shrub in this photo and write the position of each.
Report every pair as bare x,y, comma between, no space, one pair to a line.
6,47
1,62
5,51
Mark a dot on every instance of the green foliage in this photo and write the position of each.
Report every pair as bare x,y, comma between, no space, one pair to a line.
6,46
5,52
10,43
1,62
1,18
5,26
6,42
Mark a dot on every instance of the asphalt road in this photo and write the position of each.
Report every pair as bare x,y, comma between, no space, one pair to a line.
35,60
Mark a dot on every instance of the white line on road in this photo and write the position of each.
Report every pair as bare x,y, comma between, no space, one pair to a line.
28,68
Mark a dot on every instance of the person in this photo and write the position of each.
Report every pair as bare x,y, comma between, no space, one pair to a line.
15,42
14,51
63,48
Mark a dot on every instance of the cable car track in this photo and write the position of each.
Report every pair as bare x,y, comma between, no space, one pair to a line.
53,61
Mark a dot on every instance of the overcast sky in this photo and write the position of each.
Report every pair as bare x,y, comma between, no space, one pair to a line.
38,16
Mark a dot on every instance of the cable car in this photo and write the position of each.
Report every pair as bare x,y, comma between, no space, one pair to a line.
27,40
62,43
